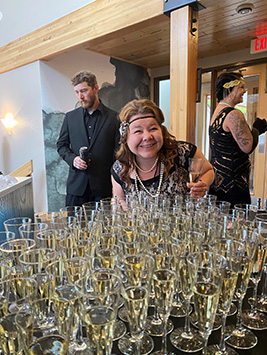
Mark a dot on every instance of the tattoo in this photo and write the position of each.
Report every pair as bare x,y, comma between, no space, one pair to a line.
239,128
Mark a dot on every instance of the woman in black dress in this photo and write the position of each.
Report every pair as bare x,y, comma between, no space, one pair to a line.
232,141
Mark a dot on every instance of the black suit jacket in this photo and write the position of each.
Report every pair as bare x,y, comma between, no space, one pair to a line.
102,147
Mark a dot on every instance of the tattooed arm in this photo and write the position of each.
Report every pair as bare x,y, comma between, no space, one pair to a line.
236,124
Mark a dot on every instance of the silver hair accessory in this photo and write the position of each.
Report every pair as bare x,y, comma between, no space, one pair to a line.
123,128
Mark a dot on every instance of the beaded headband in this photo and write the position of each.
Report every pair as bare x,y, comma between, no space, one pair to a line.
230,84
124,126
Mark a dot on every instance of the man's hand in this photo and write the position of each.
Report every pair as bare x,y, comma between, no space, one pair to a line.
80,164
198,189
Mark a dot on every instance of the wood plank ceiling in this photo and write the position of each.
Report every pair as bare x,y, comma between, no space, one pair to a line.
220,30
137,32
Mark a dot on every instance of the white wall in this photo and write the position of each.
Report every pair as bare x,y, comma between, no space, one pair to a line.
57,91
230,58
27,91
24,16
20,93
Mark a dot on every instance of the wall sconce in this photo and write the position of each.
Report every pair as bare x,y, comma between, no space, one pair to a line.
9,122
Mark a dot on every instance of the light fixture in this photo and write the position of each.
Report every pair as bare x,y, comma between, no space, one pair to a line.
9,122
244,8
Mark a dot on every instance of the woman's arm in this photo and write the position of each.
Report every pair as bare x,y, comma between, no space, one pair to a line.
200,188
236,123
117,190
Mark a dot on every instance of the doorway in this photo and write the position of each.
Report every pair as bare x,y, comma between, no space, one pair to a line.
254,105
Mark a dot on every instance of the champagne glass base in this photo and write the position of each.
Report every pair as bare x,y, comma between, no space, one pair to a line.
119,330
79,348
257,321
216,325
242,338
215,350
128,347
122,314
179,311
187,342
262,303
232,310
160,352
154,327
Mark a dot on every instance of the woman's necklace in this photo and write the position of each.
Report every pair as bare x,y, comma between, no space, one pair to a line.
143,186
146,171
225,103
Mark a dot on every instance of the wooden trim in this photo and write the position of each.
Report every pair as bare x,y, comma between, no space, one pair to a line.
156,87
183,75
80,29
24,170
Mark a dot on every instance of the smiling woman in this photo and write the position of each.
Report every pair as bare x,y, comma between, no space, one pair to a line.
151,160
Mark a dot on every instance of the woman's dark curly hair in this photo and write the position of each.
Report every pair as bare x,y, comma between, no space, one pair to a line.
224,78
168,150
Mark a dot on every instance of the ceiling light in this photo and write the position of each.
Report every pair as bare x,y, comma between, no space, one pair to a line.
244,9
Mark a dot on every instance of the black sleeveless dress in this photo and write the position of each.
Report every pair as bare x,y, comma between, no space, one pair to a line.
231,165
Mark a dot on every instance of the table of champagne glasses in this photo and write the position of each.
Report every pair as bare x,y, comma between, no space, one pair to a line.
259,349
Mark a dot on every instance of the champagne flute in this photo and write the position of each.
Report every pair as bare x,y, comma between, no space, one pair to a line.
187,338
29,230
233,252
13,224
238,336
37,337
11,252
100,311
136,274
206,270
50,238
252,318
37,259
250,211
261,224
154,324
110,256
164,285
195,168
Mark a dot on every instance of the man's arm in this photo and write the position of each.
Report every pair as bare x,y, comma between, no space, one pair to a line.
63,144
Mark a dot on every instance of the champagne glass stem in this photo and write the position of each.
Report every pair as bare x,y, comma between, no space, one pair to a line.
264,286
253,309
156,314
187,319
222,345
239,314
138,347
80,332
205,348
164,338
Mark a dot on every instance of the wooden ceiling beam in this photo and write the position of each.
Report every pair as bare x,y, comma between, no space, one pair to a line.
95,20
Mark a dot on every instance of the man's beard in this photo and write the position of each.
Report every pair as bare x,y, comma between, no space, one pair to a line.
88,104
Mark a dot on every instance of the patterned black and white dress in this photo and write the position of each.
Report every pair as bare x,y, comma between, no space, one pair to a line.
174,184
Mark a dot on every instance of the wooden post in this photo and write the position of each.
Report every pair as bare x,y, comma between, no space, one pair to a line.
183,74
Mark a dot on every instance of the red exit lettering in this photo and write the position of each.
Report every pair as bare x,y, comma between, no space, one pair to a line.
260,44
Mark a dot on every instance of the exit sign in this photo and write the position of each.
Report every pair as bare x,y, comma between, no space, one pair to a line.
258,45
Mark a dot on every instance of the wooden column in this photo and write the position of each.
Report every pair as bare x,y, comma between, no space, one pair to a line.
183,74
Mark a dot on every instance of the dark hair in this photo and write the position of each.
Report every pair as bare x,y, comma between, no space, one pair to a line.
167,152
84,76
224,78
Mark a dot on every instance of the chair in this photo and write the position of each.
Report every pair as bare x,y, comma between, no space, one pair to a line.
24,170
